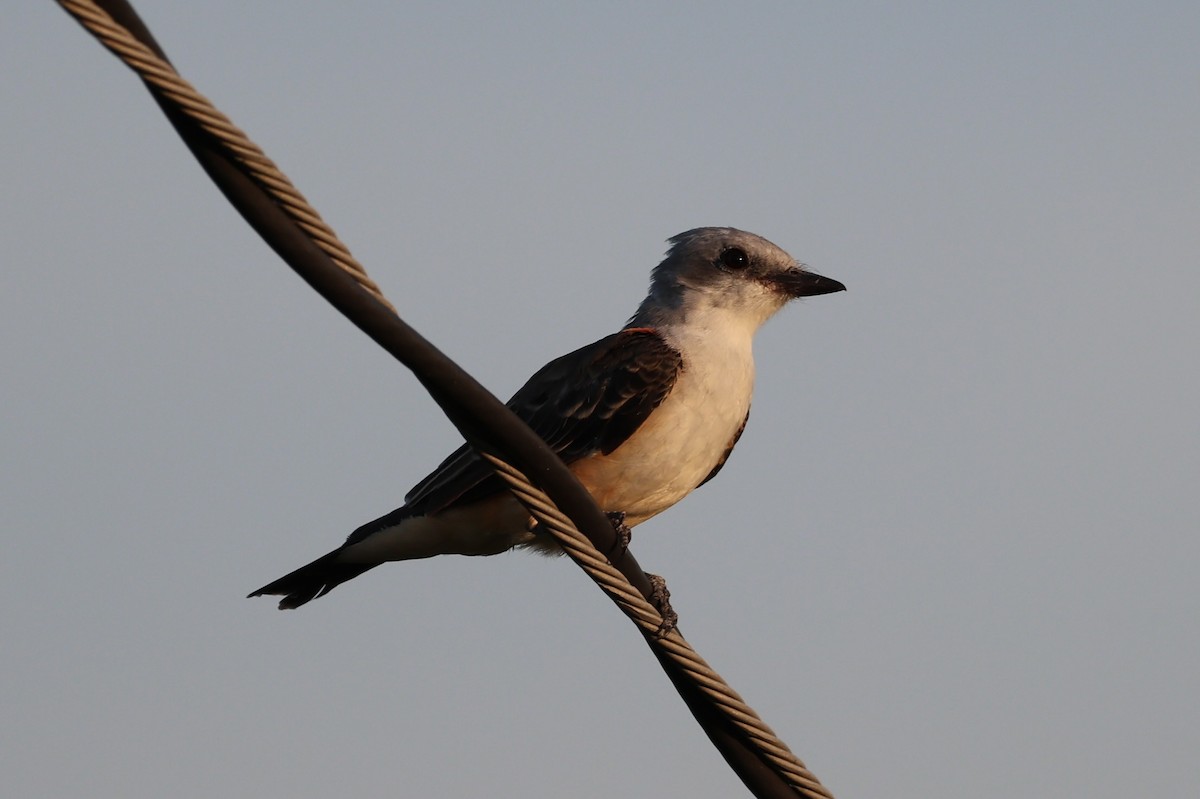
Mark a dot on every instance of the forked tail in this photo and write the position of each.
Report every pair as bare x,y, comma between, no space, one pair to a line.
314,580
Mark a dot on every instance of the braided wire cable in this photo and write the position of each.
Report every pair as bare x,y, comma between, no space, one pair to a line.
162,76
647,618
159,74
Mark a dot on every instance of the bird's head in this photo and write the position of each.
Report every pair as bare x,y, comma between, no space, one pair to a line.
724,272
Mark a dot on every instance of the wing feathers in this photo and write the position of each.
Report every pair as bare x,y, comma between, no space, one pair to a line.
588,401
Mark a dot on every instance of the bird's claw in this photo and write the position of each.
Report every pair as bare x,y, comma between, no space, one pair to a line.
660,598
624,535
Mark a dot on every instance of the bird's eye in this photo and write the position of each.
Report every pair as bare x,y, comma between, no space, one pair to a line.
735,258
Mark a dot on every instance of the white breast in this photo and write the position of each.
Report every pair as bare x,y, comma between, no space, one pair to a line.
686,436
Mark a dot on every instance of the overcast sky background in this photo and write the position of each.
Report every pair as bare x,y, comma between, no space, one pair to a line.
954,555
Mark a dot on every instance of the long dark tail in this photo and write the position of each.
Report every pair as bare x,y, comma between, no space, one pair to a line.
314,580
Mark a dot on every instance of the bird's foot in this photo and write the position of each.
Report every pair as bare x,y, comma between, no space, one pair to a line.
660,598
624,535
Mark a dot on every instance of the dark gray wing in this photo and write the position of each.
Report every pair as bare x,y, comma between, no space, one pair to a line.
588,401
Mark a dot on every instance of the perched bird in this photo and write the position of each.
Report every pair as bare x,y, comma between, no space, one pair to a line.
641,417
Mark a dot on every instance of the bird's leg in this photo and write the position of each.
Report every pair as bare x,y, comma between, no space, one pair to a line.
624,535
660,598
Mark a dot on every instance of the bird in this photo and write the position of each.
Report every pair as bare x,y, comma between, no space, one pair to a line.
642,417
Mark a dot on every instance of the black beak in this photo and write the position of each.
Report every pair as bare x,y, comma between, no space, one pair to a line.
802,283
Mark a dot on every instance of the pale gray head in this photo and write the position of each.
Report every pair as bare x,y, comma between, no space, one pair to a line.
715,272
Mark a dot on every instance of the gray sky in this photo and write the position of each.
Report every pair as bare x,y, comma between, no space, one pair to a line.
955,552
